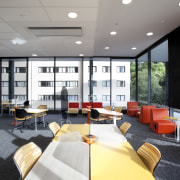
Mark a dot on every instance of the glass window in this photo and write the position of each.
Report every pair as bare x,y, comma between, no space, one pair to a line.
4,83
120,83
20,69
4,69
106,69
106,83
120,98
105,97
20,84
120,69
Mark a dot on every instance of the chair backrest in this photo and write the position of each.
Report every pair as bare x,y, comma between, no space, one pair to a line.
94,114
132,105
21,113
73,104
26,103
124,127
118,109
54,127
150,155
145,113
158,114
42,107
108,108
25,158
97,105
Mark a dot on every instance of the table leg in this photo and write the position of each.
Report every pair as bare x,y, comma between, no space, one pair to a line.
43,120
35,122
114,120
177,131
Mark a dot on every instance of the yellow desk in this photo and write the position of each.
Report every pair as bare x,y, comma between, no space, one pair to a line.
82,128
114,161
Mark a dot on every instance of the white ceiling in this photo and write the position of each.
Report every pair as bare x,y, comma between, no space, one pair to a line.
97,19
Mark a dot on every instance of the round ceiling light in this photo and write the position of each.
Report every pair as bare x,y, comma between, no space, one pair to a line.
78,42
113,33
106,47
126,1
81,55
133,48
149,34
72,15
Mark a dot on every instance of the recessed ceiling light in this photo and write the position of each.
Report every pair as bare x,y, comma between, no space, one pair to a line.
179,4
34,54
126,1
72,15
113,33
81,54
106,47
133,48
149,34
78,42
18,41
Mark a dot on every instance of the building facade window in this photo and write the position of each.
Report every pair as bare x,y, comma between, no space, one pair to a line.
5,97
46,97
45,70
106,69
4,69
94,69
46,83
20,70
20,97
92,98
20,84
120,83
120,97
106,83
4,84
67,83
94,83
120,69
72,97
66,69
105,97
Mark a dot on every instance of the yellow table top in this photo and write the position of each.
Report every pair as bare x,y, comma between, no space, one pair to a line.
82,128
112,161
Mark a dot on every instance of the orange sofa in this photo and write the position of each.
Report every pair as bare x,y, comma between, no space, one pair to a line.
160,125
144,115
132,108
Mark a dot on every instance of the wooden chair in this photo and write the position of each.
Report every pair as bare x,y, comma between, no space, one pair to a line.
25,158
54,127
95,116
124,127
117,109
150,155
40,115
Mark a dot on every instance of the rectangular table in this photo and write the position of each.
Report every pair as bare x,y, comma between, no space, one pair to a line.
35,112
116,162
65,161
109,157
109,113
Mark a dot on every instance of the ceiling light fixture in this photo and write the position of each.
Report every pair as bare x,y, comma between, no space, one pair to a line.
133,48
106,47
81,54
18,41
179,4
34,54
126,1
78,42
149,34
113,33
72,15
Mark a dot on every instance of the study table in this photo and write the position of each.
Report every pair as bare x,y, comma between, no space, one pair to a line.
35,112
105,112
110,157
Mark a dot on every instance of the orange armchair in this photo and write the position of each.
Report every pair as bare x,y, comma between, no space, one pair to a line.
132,108
144,115
160,125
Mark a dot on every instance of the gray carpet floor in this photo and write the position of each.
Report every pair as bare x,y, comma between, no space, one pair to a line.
167,169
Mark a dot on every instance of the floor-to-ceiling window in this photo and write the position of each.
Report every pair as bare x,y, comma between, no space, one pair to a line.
159,60
143,79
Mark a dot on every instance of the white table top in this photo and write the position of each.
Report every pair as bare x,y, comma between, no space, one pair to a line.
62,160
33,110
107,133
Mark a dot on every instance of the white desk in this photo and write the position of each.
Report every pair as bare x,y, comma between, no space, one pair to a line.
35,112
107,133
62,161
108,112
